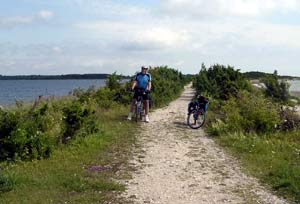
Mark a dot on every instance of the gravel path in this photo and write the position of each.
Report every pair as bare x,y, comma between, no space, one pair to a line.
177,165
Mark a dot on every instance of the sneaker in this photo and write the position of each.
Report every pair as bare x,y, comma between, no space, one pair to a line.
147,119
129,116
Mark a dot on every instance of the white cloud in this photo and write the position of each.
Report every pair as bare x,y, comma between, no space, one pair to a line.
272,34
135,35
13,21
45,14
160,35
109,9
228,8
57,49
122,37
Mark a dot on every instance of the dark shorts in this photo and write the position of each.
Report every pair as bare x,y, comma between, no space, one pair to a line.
145,96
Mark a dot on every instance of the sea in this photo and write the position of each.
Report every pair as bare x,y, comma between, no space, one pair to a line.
295,85
28,90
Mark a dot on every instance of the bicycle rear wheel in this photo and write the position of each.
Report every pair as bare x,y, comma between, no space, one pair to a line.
196,119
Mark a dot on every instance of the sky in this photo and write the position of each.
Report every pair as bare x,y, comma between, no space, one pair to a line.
49,37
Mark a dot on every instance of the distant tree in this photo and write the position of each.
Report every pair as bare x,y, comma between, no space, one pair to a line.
275,88
113,81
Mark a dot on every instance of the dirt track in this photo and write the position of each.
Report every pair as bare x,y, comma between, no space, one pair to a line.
178,165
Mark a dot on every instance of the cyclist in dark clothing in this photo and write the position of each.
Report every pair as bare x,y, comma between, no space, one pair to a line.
141,82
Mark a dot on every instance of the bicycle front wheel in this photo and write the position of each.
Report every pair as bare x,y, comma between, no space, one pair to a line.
195,119
137,113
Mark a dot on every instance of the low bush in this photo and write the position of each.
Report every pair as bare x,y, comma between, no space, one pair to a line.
248,113
220,82
5,184
276,89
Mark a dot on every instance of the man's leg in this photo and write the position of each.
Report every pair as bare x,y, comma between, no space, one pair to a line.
146,106
131,109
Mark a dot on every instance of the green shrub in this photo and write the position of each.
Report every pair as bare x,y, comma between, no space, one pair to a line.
5,184
276,89
113,81
27,134
247,113
220,82
259,114
166,84
74,116
8,123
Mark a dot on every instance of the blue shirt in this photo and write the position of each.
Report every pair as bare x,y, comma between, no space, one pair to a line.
143,80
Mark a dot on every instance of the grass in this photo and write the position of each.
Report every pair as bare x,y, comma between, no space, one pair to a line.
274,159
68,176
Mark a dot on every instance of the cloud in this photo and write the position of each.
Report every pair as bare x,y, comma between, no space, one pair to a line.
109,9
123,35
14,21
271,34
46,15
228,8
161,35
57,49
135,35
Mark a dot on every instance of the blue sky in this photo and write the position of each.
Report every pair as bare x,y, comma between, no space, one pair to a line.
97,36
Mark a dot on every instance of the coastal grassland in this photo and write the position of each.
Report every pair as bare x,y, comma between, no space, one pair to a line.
82,172
273,158
256,126
72,149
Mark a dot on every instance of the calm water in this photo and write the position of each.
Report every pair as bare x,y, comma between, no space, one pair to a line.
28,90
295,85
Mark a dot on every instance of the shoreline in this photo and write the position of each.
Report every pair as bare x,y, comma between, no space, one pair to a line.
295,93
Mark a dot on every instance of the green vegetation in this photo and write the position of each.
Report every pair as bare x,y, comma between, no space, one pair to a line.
70,150
82,172
254,126
167,85
277,90
220,82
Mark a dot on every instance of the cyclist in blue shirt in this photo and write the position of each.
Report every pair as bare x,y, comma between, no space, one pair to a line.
142,82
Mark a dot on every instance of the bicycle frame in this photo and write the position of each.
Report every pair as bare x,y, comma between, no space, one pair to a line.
139,108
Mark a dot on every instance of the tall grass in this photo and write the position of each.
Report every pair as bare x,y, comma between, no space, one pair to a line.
252,131
275,159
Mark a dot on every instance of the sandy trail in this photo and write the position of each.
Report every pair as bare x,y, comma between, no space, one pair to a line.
178,165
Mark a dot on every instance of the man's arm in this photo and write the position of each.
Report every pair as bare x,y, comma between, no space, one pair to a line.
149,86
133,85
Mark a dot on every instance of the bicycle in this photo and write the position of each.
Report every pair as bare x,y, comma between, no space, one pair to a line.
139,105
196,114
